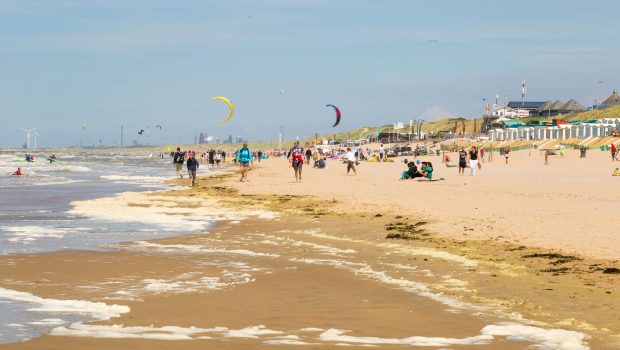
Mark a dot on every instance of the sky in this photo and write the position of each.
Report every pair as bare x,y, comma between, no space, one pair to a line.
141,63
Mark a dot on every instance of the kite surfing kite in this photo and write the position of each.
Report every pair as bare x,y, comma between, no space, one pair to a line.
158,126
338,115
230,106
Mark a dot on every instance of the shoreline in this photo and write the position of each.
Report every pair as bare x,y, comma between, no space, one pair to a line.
486,267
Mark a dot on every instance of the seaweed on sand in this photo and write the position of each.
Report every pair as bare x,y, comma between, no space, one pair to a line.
403,230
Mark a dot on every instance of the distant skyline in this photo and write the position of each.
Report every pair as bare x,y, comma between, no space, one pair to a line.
141,63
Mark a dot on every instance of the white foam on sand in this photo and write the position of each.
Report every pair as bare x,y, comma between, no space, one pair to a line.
135,178
542,338
171,212
418,288
195,249
545,338
28,234
250,332
394,247
337,335
160,333
121,332
97,310
321,248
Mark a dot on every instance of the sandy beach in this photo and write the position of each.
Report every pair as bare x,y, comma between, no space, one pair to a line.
568,205
502,259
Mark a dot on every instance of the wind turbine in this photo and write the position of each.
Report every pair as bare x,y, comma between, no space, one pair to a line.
28,134
34,130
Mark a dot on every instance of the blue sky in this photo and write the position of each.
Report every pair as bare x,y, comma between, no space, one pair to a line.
140,63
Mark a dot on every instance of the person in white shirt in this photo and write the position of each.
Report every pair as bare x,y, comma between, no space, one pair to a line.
351,161
381,153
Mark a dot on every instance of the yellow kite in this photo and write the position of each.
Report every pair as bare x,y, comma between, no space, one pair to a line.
230,105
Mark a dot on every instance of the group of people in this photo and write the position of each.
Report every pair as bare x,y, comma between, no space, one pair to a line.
214,158
425,171
179,157
472,159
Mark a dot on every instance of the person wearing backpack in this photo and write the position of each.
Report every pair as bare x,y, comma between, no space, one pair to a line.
179,158
244,159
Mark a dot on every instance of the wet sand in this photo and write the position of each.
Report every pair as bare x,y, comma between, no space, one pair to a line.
319,266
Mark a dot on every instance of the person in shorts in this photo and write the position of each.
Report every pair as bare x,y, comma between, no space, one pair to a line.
244,158
351,160
179,158
297,160
462,161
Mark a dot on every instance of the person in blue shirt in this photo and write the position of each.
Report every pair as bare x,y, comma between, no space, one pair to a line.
244,159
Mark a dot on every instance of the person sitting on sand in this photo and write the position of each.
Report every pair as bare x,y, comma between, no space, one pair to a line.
411,172
320,164
426,170
615,173
18,172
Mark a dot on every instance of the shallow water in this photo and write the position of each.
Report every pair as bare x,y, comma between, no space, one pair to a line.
36,216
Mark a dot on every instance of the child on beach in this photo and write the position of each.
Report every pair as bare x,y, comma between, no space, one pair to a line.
616,172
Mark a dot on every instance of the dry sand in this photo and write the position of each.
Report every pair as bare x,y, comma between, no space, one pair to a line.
570,204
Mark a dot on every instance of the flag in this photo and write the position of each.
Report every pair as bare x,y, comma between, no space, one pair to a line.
455,126
168,148
463,126
475,129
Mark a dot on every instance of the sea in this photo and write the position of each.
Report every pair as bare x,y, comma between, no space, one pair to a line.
36,214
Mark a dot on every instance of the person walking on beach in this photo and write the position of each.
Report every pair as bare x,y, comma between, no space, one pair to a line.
244,158
297,160
381,153
192,167
308,156
351,161
481,155
211,158
614,152
462,161
218,158
260,155
506,153
178,159
473,160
